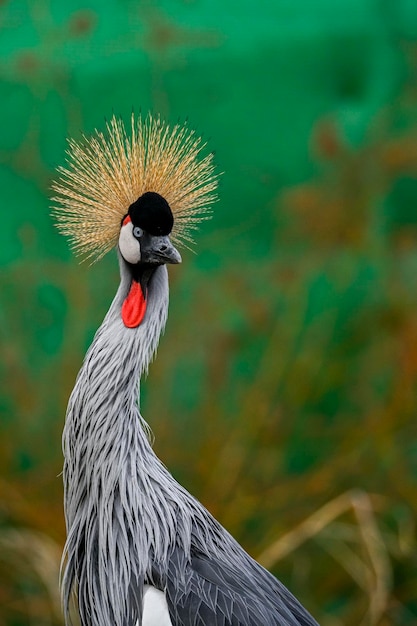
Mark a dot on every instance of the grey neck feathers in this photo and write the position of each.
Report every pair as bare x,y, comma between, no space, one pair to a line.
124,511
116,515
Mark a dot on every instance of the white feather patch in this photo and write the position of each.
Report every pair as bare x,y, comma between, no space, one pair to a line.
155,608
129,246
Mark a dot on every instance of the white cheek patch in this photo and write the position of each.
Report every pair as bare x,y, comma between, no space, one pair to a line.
129,246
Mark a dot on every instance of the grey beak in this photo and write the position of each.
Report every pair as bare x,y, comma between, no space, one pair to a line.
159,250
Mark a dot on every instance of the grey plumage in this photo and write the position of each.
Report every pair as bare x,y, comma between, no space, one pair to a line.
129,522
130,525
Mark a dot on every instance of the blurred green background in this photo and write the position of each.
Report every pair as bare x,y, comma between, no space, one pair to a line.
284,393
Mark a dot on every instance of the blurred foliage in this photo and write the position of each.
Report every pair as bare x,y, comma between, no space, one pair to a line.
289,365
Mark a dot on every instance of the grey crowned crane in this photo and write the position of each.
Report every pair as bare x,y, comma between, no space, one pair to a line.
140,549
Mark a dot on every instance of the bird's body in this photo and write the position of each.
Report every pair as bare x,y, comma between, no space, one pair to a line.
130,523
140,549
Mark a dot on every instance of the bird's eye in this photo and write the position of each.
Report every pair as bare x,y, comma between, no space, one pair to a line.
137,232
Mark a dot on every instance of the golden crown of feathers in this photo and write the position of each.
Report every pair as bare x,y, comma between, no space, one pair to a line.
106,173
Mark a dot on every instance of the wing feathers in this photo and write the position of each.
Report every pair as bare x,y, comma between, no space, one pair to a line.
205,591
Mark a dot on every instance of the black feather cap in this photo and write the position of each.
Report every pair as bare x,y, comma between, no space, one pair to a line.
152,213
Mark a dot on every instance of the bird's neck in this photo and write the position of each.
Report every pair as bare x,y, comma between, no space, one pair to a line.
131,349
106,392
107,450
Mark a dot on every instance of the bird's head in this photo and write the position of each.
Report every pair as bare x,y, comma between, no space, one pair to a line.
140,191
144,244
144,235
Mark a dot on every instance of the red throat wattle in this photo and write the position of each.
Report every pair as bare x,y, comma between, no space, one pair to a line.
134,306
